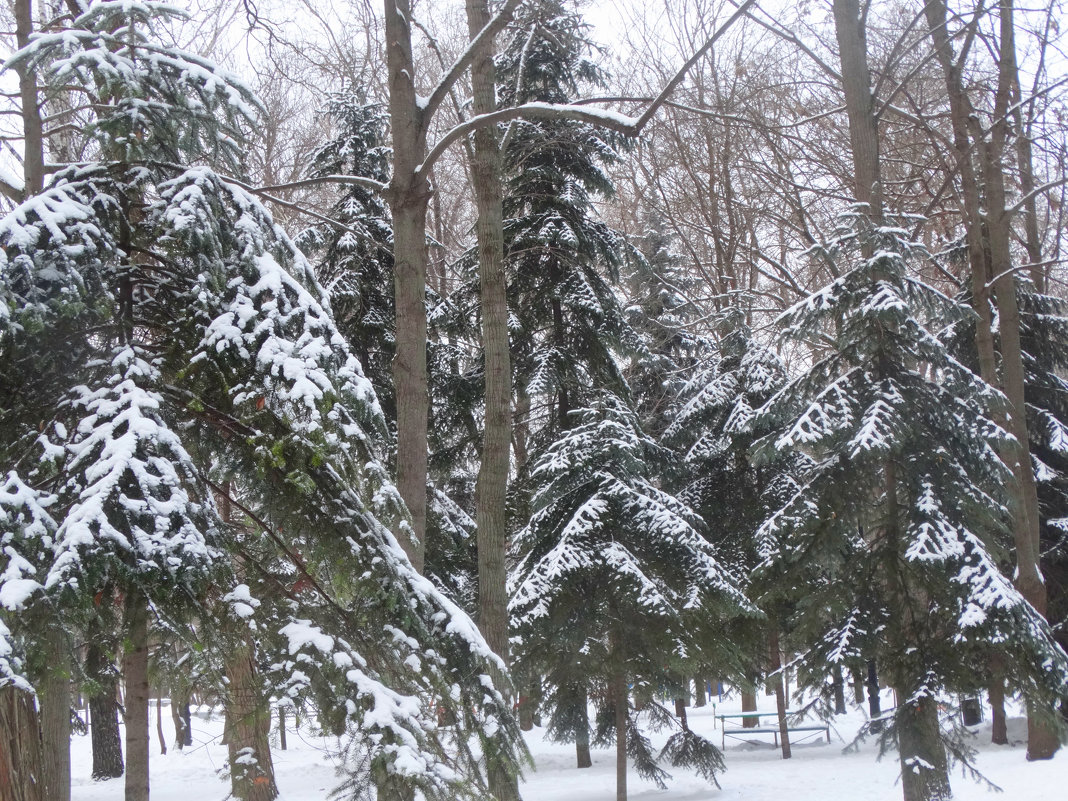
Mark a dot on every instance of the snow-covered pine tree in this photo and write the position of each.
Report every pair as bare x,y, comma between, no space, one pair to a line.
617,586
897,508
161,338
562,260
712,426
657,310
1044,331
355,263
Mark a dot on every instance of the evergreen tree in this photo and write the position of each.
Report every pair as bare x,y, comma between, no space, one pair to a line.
616,584
897,507
563,262
162,337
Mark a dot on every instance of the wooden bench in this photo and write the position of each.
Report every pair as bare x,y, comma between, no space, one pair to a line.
739,733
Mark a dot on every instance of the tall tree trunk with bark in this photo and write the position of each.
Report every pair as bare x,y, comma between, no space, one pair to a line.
491,511
181,717
103,710
775,667
582,735
20,747
1042,739
135,674
924,769
159,725
838,684
54,696
749,704
619,697
32,127
999,730
408,197
248,719
849,28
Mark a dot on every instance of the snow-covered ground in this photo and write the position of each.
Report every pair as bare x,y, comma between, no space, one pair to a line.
817,772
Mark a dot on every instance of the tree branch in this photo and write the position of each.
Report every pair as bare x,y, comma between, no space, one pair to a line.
665,93
493,27
351,180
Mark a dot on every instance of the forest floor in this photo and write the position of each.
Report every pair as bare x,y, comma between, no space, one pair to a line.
818,771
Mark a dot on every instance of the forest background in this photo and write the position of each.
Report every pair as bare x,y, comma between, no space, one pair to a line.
329,329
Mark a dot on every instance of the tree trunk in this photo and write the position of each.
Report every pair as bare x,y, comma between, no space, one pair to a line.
699,698
159,725
1042,739
103,711
858,686
875,708
32,127
774,665
619,696
680,713
20,747
408,197
54,696
491,511
180,715
248,721
924,768
839,691
856,84
582,736
281,727
749,704
135,674
999,732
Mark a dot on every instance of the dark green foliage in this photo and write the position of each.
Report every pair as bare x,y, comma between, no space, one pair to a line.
897,511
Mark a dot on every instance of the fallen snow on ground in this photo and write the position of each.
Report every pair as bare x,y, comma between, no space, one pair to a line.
818,771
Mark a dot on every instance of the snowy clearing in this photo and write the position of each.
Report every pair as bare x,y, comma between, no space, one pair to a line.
817,771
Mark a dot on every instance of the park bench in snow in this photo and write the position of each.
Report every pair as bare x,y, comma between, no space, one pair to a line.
739,733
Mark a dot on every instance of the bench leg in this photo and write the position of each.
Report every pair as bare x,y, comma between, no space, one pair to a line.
828,735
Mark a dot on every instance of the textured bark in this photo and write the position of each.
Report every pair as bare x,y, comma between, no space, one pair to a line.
248,719
54,696
680,713
282,728
875,708
491,511
749,704
858,686
583,758
838,685
619,696
180,715
775,664
999,731
408,197
103,712
135,674
20,747
699,698
970,193
924,767
1042,739
159,726
856,84
33,129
